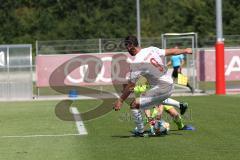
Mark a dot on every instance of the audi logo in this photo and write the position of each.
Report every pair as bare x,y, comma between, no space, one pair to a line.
94,70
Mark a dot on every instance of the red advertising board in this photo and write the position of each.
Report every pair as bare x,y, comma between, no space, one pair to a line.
206,69
81,69
109,68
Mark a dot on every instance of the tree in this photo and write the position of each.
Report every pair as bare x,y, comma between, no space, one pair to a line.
25,21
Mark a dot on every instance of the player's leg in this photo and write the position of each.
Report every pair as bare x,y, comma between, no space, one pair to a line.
136,112
152,116
177,118
180,105
139,89
175,73
175,115
137,117
190,87
177,70
149,120
155,96
152,97
157,112
158,95
147,113
124,86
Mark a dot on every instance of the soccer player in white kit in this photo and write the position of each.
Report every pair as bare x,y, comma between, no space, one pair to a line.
149,63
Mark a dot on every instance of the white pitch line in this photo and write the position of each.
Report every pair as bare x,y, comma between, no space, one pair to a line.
79,123
46,135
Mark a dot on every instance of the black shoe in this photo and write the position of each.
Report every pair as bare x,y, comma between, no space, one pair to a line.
191,88
183,107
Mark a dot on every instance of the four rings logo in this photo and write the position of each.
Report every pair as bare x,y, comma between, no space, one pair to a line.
91,70
81,71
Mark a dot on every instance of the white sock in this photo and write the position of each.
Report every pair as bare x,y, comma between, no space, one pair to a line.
137,117
171,102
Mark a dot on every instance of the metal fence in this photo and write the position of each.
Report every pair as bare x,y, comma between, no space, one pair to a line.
88,46
116,45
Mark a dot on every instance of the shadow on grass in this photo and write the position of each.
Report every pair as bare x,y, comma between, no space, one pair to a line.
172,132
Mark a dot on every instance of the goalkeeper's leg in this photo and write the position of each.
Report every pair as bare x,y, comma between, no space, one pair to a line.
175,115
157,112
180,105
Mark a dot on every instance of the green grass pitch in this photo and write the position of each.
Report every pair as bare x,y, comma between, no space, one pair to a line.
216,119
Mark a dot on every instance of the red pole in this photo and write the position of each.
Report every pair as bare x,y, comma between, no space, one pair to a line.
220,76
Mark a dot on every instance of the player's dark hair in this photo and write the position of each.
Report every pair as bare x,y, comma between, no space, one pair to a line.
131,40
177,45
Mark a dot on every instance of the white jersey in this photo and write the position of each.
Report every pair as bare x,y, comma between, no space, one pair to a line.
149,63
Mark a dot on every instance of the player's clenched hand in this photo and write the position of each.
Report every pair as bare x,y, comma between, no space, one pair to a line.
118,105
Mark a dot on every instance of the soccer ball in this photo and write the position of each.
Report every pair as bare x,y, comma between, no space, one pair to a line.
162,127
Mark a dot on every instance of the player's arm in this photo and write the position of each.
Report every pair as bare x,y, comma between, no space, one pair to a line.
169,63
126,92
124,86
176,51
182,63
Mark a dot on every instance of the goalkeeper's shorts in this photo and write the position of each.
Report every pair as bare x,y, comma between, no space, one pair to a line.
167,107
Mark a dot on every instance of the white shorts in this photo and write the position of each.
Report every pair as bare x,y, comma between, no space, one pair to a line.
156,95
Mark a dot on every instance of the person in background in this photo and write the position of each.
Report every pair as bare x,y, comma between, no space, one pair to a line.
177,62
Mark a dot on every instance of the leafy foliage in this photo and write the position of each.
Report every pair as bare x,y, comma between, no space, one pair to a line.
25,21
